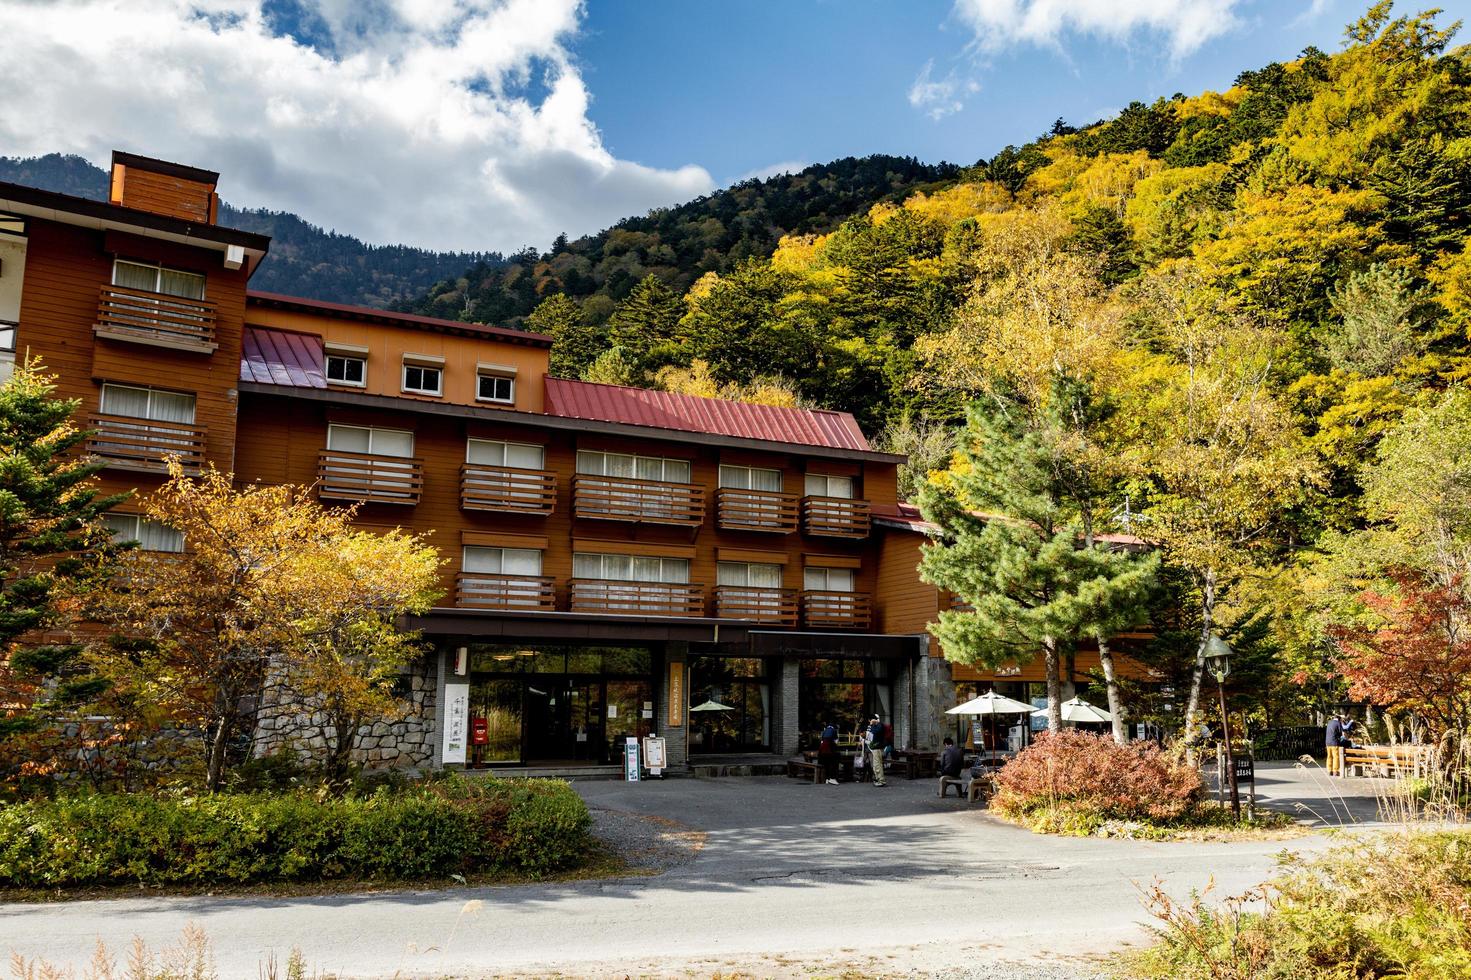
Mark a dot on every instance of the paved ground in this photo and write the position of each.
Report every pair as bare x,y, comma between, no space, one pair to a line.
788,878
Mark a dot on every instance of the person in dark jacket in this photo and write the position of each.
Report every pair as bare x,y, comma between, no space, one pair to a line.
827,754
952,760
1334,739
876,746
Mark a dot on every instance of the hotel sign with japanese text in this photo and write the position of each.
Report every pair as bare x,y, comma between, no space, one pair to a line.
676,694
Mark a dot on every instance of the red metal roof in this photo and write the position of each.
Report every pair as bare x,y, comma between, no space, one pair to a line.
280,357
690,413
280,301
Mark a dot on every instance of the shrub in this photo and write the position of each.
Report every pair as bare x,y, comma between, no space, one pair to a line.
1070,782
441,829
1394,905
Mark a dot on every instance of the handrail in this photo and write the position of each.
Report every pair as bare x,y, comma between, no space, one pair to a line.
835,517
759,605
155,318
369,478
486,590
840,610
134,443
617,498
649,598
506,488
757,510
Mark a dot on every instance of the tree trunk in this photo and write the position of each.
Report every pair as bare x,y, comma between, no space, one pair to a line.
1054,685
1111,684
216,768
1207,611
338,762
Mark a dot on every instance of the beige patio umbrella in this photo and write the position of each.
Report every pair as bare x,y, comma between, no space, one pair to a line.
1076,710
711,706
992,704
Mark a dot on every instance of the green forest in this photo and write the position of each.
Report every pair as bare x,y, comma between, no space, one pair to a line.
1233,324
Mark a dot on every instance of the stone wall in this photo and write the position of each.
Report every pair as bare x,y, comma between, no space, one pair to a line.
285,725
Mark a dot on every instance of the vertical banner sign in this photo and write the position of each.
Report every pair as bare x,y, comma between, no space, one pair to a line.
676,694
630,760
456,722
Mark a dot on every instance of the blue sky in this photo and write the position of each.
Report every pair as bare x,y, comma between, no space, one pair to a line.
814,80
495,124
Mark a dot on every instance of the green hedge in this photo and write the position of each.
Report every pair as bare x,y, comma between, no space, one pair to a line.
451,827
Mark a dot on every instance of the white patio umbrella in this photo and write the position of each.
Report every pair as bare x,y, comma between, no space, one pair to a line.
1076,710
992,704
711,706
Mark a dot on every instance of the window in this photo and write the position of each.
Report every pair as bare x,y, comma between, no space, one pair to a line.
423,379
369,440
148,403
7,337
150,535
501,561
495,388
828,579
347,369
631,568
751,574
515,455
822,485
157,279
633,467
750,478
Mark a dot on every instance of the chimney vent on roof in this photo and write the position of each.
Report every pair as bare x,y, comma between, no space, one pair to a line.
164,188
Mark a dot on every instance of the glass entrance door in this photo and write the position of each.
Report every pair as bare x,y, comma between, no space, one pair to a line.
564,720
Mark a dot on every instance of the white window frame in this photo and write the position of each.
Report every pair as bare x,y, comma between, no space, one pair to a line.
344,358
500,555
137,521
150,416
823,576
372,430
495,372
411,365
586,455
829,479
505,446
607,574
728,472
158,271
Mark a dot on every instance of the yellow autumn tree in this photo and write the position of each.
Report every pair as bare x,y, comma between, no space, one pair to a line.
268,579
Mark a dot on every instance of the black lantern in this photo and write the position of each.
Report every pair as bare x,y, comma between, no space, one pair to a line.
1217,657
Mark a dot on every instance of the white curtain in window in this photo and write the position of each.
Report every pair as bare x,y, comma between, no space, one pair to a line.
735,477
649,469
520,561
392,442
349,438
764,576
525,457
821,485
483,452
188,285
121,400
731,573
482,561
676,570
171,406
676,471
131,275
587,566
768,480
647,570
153,536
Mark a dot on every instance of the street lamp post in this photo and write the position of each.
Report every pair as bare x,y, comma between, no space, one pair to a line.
1218,660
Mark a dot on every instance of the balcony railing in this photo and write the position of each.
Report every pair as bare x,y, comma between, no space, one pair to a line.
637,598
368,478
144,444
505,488
773,607
616,498
478,590
837,610
156,319
835,517
756,510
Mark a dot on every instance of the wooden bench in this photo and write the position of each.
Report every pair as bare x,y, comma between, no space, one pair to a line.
1386,760
797,768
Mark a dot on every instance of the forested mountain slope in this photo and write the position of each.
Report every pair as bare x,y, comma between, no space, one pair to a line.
304,260
677,245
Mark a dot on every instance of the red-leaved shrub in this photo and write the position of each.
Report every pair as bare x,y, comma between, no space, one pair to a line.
1094,776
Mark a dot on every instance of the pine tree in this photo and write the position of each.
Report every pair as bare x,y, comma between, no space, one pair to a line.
51,538
576,342
646,319
1013,547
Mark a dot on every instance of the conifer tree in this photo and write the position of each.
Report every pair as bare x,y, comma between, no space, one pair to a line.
576,342
50,537
646,319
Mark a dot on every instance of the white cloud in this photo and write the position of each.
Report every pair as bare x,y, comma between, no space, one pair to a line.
440,123
938,98
774,170
1184,25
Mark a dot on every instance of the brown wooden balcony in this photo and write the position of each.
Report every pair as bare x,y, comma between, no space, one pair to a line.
155,319
504,488
773,607
637,598
483,590
617,498
837,610
835,517
144,444
368,478
756,510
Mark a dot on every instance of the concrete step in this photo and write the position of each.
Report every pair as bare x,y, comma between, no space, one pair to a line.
712,769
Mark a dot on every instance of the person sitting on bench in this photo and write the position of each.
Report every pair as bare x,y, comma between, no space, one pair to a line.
952,762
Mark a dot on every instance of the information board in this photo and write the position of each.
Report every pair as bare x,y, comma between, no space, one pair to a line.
456,723
630,760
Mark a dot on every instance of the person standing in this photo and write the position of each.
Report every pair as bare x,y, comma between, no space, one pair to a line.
876,746
827,754
1333,741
